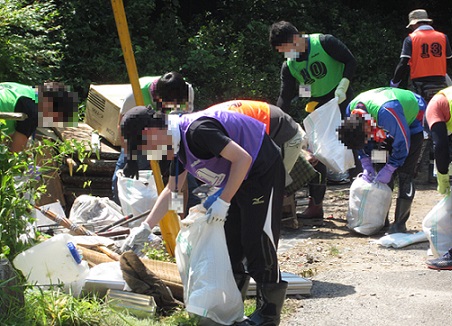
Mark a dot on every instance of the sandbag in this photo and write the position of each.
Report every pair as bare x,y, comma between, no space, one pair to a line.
321,126
368,206
437,226
205,269
137,196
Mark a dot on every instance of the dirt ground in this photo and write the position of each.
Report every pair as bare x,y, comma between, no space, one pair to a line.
356,282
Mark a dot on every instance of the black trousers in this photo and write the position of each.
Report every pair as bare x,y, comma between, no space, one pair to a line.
253,224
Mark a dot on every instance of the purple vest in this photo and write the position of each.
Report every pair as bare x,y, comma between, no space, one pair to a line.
245,131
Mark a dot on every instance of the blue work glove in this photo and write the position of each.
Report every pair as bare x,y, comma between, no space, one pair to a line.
131,169
385,174
212,198
443,183
392,84
368,169
217,211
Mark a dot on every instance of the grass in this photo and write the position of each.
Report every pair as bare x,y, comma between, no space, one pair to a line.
334,251
56,308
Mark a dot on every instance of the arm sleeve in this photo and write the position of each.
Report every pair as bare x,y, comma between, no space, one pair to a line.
402,70
448,49
441,147
392,120
339,51
288,90
30,108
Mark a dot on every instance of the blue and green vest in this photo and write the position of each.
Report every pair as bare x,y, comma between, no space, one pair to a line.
376,98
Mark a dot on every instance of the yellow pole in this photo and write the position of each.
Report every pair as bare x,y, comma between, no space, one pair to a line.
169,225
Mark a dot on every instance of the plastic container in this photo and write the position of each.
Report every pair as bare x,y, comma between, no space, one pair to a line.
53,261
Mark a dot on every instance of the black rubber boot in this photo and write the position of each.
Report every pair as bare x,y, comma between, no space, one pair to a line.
313,214
269,301
242,281
402,212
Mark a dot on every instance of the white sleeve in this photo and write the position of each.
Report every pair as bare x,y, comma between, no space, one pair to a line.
129,102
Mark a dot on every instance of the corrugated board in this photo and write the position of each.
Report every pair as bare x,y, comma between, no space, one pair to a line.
102,109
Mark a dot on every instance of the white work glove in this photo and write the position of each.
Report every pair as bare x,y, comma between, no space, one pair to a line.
218,211
136,239
341,90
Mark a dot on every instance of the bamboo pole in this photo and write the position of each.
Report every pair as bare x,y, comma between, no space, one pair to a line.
169,225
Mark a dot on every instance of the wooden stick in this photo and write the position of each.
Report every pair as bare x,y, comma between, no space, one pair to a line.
63,221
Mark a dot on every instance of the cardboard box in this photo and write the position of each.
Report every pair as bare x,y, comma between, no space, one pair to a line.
102,109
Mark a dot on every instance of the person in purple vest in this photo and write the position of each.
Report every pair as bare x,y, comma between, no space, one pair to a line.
231,151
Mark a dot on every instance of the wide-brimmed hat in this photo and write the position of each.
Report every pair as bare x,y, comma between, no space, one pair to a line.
417,16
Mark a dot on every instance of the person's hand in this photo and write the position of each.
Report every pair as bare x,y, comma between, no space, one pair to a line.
443,183
217,211
136,239
392,84
385,174
368,169
310,158
131,169
341,90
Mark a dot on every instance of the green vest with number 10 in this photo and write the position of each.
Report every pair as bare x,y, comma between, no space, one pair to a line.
320,71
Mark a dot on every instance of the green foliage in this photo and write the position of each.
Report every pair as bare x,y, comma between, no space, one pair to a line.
20,186
158,253
221,47
54,307
16,191
31,46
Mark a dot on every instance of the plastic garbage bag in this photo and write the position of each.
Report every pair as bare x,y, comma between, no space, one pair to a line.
368,206
203,262
400,240
320,127
437,225
137,196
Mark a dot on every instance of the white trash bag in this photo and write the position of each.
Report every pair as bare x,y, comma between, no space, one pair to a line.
137,196
205,269
368,206
400,240
94,212
437,226
320,127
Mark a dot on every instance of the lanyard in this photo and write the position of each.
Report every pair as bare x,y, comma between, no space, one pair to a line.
176,161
